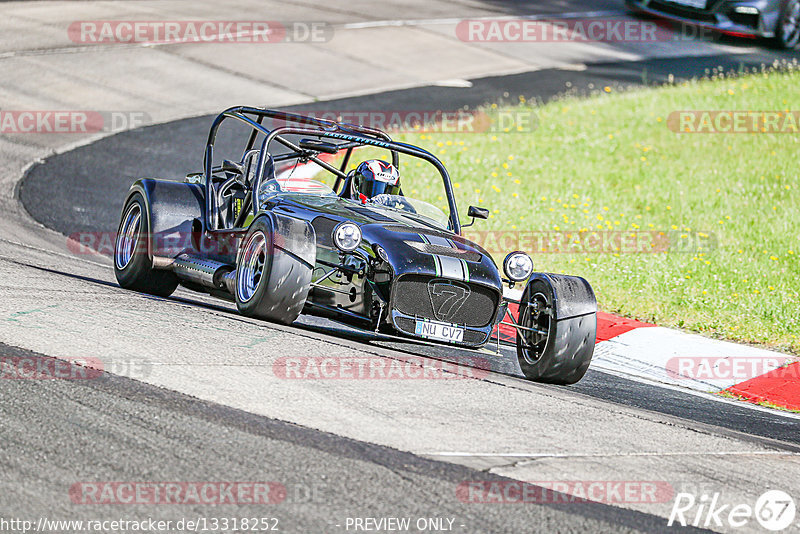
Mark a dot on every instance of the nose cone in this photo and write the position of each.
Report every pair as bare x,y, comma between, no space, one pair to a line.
426,251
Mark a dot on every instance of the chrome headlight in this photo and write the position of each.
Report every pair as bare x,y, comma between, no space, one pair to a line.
518,266
347,236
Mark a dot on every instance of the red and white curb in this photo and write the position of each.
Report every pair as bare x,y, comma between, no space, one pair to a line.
697,364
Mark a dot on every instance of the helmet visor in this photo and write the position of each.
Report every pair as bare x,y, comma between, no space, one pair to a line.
370,188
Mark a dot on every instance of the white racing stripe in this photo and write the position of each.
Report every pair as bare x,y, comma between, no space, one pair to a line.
451,268
447,266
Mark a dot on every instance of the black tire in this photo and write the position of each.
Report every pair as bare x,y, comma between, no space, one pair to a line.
563,311
133,265
272,283
787,33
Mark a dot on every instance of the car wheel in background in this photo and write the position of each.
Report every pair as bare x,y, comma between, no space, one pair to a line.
787,34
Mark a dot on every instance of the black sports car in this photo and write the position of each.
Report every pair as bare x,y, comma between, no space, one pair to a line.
774,19
262,231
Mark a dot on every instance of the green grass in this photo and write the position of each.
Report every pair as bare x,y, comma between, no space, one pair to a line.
609,162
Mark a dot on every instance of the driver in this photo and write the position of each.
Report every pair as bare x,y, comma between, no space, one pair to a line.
377,182
372,178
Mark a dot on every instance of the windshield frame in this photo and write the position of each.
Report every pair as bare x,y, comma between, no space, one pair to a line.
284,182
394,146
439,223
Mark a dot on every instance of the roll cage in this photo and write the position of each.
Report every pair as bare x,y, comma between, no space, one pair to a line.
350,136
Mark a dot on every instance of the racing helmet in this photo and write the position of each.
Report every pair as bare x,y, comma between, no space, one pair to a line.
375,177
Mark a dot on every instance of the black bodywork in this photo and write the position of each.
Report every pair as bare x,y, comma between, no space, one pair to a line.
407,271
413,256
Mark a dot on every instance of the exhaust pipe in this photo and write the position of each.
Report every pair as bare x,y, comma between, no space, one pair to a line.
208,273
229,279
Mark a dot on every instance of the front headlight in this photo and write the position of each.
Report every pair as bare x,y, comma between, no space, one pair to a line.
518,266
347,236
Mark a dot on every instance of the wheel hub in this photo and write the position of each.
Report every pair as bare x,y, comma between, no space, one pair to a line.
128,238
252,266
536,319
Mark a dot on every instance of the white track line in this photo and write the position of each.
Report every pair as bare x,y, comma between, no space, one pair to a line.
444,21
603,455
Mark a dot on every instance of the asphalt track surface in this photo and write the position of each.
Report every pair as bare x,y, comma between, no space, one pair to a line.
115,428
93,180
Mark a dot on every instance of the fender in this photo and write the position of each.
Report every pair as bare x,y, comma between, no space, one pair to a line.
572,295
171,208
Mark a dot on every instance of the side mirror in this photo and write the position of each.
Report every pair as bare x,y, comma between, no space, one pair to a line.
476,213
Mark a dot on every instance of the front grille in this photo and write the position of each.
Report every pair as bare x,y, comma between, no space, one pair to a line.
449,252
683,11
412,297
744,19
408,326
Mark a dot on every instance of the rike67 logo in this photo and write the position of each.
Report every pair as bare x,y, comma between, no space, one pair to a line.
775,511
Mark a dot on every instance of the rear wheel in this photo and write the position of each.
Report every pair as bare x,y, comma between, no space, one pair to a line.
787,34
133,266
550,348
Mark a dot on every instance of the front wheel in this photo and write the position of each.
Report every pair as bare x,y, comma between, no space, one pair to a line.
133,266
272,276
787,34
558,316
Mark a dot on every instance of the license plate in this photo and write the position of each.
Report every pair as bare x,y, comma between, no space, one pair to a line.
697,4
439,331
